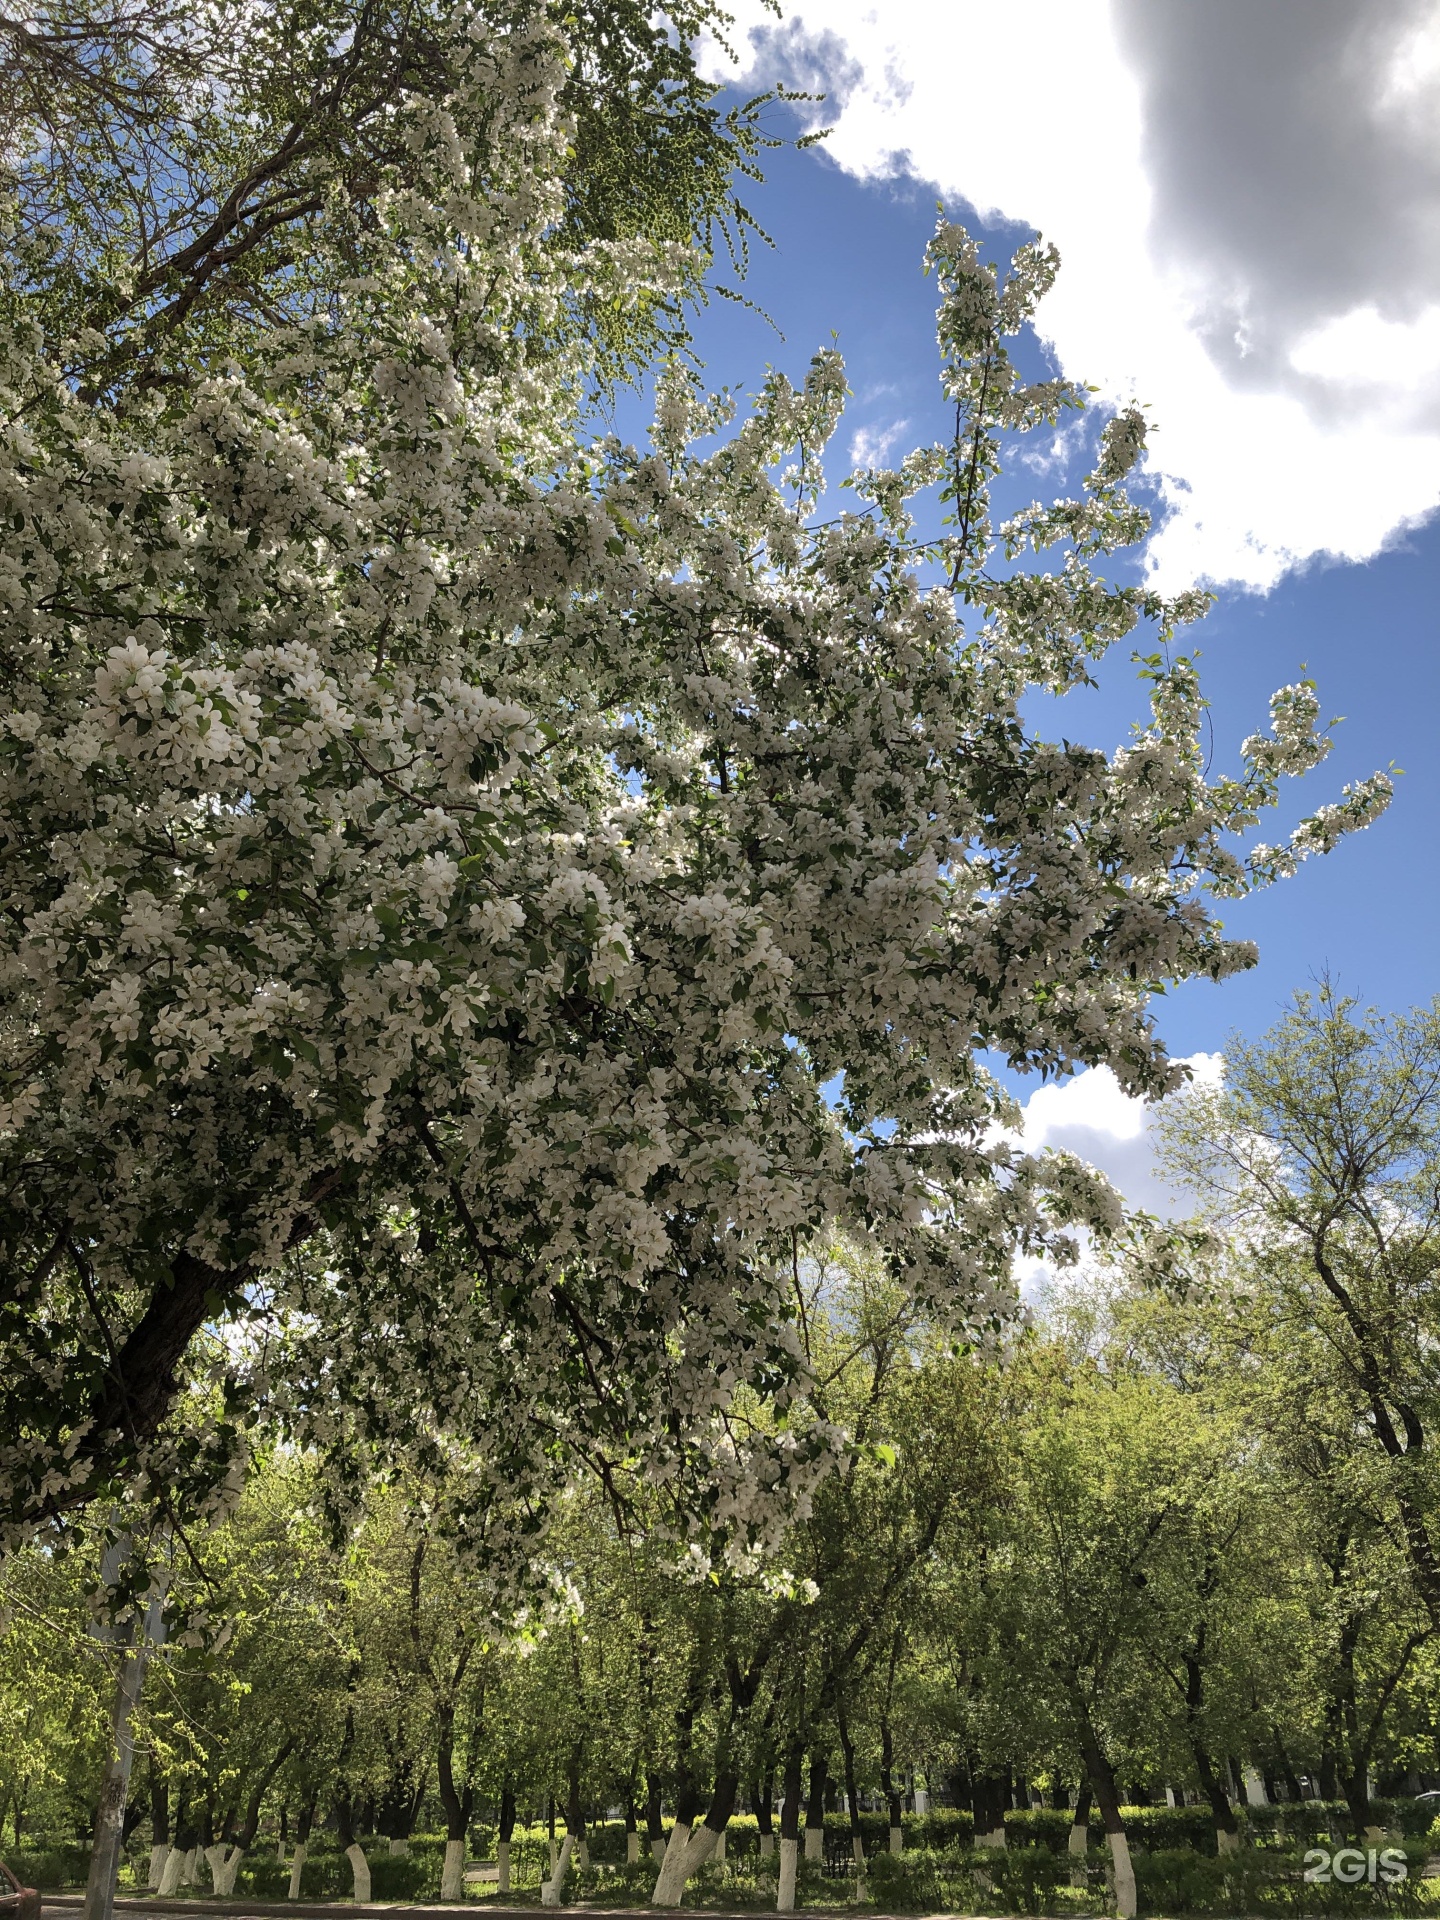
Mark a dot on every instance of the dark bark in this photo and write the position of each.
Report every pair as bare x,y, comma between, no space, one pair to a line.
159,1806
344,1804
687,1788
654,1808
852,1793
250,1825
762,1801
1102,1778
887,1773
819,1781
507,1812
790,1804
574,1811
722,1800
458,1804
1221,1811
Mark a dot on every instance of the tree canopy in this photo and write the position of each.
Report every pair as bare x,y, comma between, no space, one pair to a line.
483,901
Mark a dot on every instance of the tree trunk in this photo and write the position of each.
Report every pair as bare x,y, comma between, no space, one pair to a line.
852,1802
632,1828
550,1889
672,1876
682,1863
1102,1780
761,1798
789,1830
988,1797
574,1841
302,1848
115,1780
360,1873
244,1838
815,1806
345,1824
503,1832
1227,1831
888,1787
159,1825
174,1872
654,1818
1079,1841
297,1868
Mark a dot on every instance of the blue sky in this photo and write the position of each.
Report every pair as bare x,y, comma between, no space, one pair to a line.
1255,254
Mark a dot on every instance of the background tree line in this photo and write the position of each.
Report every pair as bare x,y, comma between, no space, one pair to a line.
1170,1545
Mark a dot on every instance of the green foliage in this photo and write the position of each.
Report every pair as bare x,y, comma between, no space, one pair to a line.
1268,1882
1022,1880
50,1868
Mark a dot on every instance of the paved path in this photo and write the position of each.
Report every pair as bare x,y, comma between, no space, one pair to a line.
148,1907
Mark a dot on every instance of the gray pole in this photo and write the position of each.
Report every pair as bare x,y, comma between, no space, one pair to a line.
115,1783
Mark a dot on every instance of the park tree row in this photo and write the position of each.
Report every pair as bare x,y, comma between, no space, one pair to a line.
1158,1539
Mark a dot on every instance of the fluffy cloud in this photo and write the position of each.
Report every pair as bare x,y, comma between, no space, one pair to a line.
1247,199
1093,1117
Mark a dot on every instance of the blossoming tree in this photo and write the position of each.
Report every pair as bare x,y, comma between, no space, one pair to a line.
479,898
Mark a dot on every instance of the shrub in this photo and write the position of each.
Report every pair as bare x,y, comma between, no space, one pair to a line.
50,1868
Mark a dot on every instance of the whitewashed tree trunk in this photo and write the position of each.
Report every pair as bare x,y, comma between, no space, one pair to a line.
158,1856
814,1843
229,1868
1079,1840
767,1845
215,1861
720,1850
632,1849
550,1892
502,1866
402,1847
682,1863
857,1849
554,1855
187,1870
671,1860
1124,1876
897,1839
657,1849
582,1855
785,1892
452,1874
170,1873
302,1847
360,1870
1226,1842
280,1852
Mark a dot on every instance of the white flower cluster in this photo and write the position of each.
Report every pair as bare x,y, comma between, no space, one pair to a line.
445,863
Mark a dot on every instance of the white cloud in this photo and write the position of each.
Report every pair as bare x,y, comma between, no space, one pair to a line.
1247,199
872,446
1092,1116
